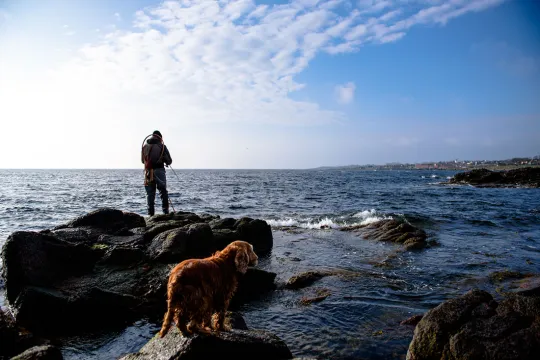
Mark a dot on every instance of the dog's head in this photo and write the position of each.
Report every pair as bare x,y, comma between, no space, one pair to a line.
244,255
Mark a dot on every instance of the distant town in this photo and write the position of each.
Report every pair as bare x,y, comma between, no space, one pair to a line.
448,165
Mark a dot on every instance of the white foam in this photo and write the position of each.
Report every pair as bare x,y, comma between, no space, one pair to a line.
286,222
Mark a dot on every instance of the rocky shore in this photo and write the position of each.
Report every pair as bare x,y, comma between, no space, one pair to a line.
524,177
110,267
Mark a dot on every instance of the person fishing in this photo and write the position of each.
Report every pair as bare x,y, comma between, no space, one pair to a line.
155,156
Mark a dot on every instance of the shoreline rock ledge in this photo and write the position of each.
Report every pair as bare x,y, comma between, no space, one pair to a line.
475,326
111,267
528,177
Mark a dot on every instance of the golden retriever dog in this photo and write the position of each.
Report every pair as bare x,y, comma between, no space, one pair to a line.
199,290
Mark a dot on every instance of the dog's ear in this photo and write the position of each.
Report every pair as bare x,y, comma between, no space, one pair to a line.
241,260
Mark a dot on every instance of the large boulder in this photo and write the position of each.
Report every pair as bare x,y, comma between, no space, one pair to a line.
524,177
256,232
236,344
193,241
34,259
474,326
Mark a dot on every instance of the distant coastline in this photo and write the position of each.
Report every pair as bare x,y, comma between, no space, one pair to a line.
509,164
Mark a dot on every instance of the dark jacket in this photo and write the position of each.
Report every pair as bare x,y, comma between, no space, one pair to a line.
153,149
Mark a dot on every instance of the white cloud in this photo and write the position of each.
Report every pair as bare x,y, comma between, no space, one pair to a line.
118,16
193,62
345,92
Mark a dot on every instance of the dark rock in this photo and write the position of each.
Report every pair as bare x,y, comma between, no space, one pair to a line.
392,230
72,279
257,232
8,335
305,279
525,177
108,219
30,258
253,285
223,237
413,320
225,223
45,352
236,344
158,228
187,217
236,321
474,326
193,241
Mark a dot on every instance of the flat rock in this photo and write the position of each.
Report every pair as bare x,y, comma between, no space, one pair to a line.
45,352
236,344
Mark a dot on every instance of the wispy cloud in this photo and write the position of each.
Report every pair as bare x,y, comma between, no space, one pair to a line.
345,92
118,16
237,61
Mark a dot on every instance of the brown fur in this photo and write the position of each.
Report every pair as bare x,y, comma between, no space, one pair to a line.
199,290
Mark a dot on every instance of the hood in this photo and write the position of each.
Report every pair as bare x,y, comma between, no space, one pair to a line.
153,140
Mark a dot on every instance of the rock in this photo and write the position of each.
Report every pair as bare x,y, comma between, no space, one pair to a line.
176,245
413,320
524,177
305,279
223,237
236,321
8,335
254,284
45,352
225,223
76,278
474,326
236,344
30,258
392,230
106,218
257,232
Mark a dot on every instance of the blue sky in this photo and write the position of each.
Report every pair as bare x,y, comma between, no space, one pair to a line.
269,84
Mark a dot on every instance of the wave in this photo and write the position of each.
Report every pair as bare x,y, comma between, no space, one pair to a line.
330,222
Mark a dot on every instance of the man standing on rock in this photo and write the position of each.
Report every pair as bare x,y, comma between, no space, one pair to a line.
155,156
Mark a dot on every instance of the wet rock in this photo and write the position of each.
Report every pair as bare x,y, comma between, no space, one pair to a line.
525,177
223,237
107,218
253,285
392,230
236,321
30,258
101,277
307,278
45,352
236,344
193,241
319,296
8,335
413,320
256,232
225,223
474,326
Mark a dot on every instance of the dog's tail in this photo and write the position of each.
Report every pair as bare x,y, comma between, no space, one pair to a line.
167,322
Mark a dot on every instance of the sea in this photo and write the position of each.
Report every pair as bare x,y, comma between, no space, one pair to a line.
473,231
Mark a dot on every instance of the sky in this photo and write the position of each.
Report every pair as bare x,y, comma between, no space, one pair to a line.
242,84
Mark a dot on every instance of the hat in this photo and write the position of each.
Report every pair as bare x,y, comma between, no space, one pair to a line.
156,132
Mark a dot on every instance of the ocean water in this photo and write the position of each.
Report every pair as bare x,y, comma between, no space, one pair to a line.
478,231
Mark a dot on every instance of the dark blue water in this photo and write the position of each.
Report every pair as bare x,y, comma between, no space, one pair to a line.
478,231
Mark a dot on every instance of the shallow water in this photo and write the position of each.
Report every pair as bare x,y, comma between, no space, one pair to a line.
478,230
